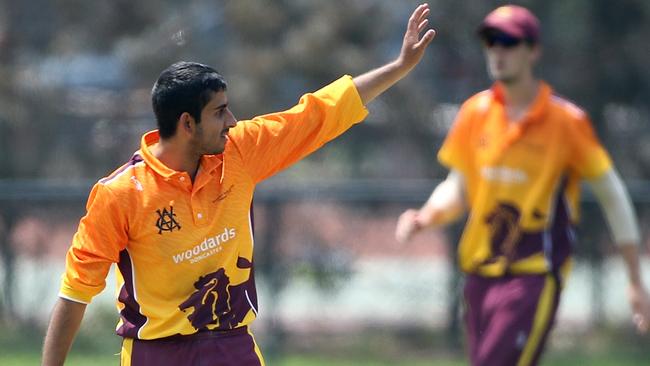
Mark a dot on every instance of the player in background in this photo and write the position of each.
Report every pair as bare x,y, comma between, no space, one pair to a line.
517,153
176,218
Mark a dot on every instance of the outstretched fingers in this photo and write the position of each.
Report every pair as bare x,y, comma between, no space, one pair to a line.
418,22
428,37
415,42
419,14
425,13
422,25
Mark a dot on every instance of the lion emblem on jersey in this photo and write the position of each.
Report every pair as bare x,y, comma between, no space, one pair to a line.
504,229
216,303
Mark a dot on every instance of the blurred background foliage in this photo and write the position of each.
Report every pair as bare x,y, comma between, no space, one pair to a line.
76,75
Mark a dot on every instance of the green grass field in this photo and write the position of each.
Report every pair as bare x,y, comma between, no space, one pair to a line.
29,359
378,348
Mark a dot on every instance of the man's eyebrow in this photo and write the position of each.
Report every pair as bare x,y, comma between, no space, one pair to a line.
222,106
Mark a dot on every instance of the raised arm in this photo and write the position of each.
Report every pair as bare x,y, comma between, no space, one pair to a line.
270,143
375,82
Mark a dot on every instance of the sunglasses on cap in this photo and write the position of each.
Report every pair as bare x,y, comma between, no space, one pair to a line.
501,39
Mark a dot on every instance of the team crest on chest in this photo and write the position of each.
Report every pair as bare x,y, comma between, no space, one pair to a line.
167,220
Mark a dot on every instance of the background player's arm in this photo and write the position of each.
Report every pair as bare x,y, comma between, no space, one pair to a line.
375,82
637,293
445,205
66,318
619,212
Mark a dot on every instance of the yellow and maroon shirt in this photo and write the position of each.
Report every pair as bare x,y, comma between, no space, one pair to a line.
522,180
184,250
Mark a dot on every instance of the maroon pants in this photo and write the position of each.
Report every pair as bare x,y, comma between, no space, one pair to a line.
226,348
508,318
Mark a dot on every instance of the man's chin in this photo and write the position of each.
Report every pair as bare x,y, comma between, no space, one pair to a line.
216,151
505,79
501,76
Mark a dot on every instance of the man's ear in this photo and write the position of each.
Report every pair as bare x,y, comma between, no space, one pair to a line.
537,53
186,123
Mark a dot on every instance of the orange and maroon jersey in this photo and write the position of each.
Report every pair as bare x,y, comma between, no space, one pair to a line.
184,250
522,180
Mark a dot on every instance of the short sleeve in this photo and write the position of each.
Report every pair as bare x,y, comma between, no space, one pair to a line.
588,159
455,152
101,235
272,142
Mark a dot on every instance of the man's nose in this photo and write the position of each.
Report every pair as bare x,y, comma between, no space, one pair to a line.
231,121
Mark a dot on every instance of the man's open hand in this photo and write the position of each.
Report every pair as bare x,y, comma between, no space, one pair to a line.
413,46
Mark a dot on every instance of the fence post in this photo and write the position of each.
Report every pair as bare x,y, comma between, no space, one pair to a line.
455,291
8,257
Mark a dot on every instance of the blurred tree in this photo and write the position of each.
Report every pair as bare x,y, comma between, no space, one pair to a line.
80,73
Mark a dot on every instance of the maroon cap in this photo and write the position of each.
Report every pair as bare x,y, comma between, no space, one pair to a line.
513,20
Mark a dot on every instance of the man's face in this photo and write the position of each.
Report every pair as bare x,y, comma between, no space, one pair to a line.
508,59
216,119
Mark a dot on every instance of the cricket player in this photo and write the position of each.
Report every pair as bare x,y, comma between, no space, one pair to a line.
517,153
176,218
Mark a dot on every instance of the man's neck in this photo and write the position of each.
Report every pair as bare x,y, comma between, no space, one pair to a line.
176,157
520,93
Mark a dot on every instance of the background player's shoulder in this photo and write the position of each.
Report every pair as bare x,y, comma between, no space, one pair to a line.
568,107
477,103
481,100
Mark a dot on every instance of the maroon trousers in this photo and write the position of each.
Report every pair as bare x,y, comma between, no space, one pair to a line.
508,318
224,348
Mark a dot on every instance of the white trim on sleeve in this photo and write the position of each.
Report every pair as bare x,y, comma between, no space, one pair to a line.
617,207
73,300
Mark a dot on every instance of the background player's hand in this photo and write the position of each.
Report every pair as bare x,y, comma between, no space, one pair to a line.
640,302
407,225
413,45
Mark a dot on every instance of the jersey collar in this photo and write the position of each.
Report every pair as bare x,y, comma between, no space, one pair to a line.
513,132
208,165
537,109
